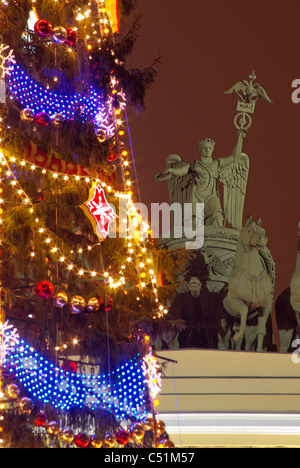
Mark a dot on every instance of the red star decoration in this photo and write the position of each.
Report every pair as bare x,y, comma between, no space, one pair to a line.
100,210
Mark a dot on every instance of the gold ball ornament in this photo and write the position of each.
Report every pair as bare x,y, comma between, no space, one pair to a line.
93,304
148,423
26,405
101,135
165,443
96,441
58,120
136,431
109,440
160,427
12,391
78,304
111,169
53,428
27,115
67,435
61,299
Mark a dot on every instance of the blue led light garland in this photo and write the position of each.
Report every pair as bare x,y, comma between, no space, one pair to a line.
122,392
31,95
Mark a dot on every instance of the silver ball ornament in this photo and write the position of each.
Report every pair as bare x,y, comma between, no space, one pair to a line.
59,35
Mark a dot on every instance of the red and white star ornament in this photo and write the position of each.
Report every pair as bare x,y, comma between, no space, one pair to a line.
99,212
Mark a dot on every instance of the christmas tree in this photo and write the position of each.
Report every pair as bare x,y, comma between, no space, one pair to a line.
81,297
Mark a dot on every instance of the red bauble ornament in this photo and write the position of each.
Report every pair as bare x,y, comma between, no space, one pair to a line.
69,366
72,36
122,437
40,419
112,157
81,440
44,289
42,28
43,119
108,306
73,367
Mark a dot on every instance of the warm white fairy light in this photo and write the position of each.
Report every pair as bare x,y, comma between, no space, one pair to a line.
152,374
115,127
26,200
141,233
6,60
8,339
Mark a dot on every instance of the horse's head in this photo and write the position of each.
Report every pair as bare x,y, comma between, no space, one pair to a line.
253,235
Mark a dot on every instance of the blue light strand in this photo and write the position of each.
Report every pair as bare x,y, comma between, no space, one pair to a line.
122,392
90,104
122,389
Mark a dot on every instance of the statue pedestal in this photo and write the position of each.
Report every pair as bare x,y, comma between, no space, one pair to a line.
218,250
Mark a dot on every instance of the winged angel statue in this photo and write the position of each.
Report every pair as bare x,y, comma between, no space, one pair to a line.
197,183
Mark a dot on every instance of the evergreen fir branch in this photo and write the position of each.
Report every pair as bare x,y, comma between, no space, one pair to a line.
105,337
17,229
136,83
170,263
125,46
126,7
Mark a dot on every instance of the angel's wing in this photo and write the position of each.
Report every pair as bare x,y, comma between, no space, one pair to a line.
234,179
178,185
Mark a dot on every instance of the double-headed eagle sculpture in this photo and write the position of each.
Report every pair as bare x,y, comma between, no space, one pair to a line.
248,91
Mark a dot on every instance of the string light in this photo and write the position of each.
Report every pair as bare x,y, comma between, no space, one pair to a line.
122,391
9,338
152,374
63,258
38,99
7,61
27,90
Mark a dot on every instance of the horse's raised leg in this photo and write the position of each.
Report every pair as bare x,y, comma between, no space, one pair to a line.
239,308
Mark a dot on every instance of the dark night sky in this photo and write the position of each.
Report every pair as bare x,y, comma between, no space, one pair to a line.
206,47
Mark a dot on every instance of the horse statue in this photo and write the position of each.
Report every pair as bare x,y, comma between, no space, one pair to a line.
287,308
249,289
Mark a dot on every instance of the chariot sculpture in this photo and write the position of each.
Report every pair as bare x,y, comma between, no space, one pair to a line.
198,183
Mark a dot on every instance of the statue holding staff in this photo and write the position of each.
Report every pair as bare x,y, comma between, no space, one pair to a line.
197,182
